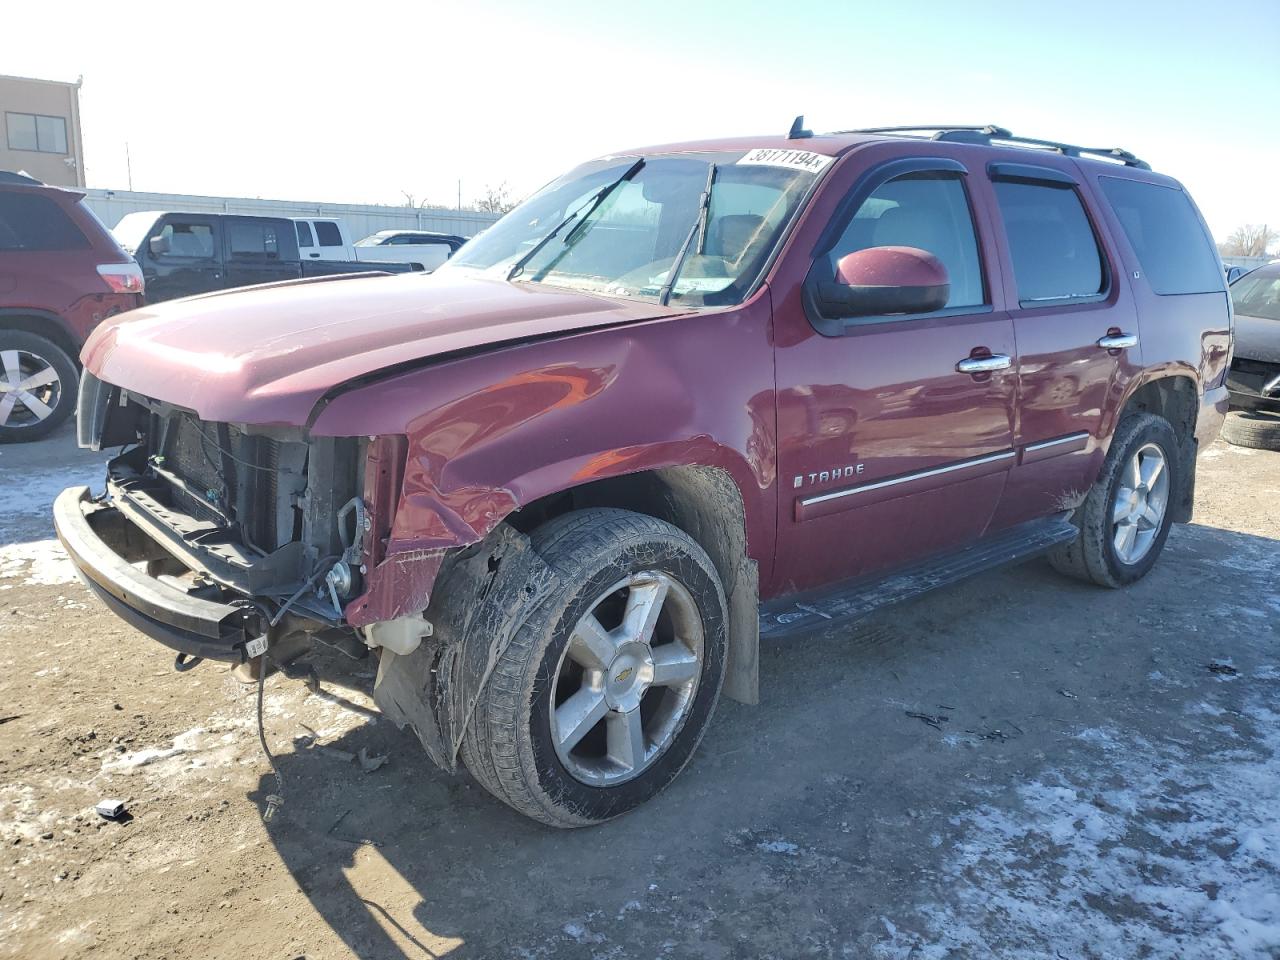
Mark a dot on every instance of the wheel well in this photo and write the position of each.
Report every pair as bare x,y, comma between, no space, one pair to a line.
706,504
1173,398
51,330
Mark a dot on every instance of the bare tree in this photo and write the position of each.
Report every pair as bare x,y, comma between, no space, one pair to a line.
495,199
1251,240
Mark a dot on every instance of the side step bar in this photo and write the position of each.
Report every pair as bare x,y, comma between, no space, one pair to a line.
855,599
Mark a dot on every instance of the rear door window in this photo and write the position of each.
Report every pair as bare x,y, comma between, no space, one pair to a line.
328,234
305,239
1166,234
1054,250
249,240
29,221
930,212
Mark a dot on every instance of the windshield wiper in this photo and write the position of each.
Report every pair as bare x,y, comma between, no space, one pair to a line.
590,207
698,230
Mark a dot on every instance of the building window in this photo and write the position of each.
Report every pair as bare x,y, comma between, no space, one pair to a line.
30,131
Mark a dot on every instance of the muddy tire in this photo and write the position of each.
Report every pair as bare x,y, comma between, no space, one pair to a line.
1252,428
606,689
50,385
1125,518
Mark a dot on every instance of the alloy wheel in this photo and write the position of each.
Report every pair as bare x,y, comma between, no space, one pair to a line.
1141,499
30,388
627,679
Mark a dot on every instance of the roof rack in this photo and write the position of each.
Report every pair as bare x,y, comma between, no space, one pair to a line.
985,135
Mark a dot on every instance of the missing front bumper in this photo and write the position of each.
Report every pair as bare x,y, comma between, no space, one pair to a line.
104,546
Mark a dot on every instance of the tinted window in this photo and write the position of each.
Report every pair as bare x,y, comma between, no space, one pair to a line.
183,239
29,221
304,235
328,234
253,241
1055,254
930,212
1166,234
1258,294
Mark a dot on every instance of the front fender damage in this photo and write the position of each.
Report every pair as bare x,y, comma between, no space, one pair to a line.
482,595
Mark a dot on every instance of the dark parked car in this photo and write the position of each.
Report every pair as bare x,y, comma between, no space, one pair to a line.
679,399
1254,378
183,254
61,274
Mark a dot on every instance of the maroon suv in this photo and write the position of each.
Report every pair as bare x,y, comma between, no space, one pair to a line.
681,398
61,274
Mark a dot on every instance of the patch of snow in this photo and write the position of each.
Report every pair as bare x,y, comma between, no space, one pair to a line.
779,846
27,495
1181,862
40,562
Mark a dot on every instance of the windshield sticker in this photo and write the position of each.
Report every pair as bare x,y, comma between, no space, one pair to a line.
794,159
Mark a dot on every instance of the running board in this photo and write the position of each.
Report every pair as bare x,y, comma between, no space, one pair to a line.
855,599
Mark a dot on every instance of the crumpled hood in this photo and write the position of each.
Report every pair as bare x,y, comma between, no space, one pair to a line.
266,355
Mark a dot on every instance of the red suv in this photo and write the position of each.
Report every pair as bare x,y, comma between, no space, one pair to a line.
61,274
680,399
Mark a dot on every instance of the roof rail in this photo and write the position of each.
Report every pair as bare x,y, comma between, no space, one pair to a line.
8,176
990,133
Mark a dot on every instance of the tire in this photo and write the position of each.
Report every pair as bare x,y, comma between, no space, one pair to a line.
612,563
1096,555
1252,428
30,355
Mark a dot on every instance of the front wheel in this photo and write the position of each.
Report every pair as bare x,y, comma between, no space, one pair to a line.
1125,517
38,385
606,689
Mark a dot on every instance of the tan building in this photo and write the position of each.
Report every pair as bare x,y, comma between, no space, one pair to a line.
41,130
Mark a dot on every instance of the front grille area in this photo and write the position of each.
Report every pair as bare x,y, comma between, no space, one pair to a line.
221,474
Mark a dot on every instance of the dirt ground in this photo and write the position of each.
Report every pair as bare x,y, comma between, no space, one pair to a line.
1101,778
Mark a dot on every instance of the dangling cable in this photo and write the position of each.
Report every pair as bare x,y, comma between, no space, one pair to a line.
274,800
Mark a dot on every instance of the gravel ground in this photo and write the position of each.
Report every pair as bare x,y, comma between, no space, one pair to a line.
1101,779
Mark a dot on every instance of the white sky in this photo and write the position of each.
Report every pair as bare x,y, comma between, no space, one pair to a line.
323,102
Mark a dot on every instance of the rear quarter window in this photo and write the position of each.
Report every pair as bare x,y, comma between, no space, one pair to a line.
1166,235
29,221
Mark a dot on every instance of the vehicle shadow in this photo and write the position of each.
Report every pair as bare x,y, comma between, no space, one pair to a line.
801,821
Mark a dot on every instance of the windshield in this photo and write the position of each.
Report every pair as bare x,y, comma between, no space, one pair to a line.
627,242
1257,294
373,240
132,229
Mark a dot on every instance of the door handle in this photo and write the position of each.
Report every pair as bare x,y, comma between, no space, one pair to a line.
1118,341
994,361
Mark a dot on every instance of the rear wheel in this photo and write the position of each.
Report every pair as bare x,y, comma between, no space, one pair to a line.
606,689
1125,517
38,384
1252,428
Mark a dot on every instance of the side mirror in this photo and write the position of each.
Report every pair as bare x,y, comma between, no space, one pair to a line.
158,246
884,280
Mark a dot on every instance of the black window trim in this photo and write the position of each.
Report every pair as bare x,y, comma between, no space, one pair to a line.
1052,178
870,181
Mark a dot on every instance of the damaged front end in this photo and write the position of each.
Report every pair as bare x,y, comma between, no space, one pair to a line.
226,541
215,538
